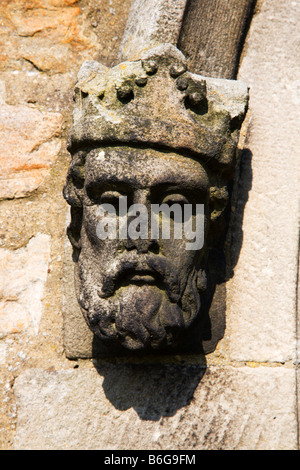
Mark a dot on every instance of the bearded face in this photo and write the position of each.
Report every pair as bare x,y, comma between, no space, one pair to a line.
140,292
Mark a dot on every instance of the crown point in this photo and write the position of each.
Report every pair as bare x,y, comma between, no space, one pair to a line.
125,93
182,83
195,98
150,66
177,69
141,81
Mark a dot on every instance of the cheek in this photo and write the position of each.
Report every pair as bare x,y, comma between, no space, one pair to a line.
93,232
177,253
102,248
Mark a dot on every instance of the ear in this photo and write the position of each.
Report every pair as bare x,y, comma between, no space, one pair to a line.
73,189
74,229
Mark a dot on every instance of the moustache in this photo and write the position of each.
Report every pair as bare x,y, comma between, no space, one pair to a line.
147,268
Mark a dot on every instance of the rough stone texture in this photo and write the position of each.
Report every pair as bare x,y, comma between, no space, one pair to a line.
200,116
2,92
213,33
31,143
3,351
157,407
171,109
298,401
78,338
261,314
151,22
101,24
23,274
298,311
42,47
80,342
54,35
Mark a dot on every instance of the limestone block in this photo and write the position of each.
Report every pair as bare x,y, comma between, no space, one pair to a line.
30,140
261,313
31,21
23,274
34,32
184,407
78,338
298,314
55,36
3,350
2,92
298,397
149,23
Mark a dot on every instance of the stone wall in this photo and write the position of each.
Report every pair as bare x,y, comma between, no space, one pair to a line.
42,46
242,396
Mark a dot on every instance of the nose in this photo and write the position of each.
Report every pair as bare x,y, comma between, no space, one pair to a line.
142,246
141,196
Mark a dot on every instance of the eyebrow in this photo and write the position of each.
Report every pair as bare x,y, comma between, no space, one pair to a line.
112,181
188,185
166,181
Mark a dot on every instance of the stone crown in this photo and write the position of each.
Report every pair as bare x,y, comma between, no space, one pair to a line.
156,102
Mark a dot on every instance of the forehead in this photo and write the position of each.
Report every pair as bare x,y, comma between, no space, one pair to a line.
143,168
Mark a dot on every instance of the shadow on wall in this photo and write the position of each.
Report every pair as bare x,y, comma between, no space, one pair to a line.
153,390
240,195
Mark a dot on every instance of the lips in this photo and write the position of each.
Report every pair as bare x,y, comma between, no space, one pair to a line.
145,278
140,276
133,270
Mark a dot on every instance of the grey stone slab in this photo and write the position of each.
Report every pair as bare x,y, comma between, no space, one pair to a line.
23,274
298,313
77,337
151,22
261,301
184,407
298,403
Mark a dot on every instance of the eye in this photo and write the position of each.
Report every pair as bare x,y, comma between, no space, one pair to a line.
97,195
174,202
171,199
111,197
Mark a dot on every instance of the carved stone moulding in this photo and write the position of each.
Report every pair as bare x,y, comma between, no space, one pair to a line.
150,131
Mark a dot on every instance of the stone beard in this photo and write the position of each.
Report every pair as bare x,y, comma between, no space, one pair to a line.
143,294
142,314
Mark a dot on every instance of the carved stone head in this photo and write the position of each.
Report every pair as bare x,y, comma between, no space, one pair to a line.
149,134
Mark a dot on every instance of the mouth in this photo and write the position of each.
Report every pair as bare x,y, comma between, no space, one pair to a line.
142,278
139,277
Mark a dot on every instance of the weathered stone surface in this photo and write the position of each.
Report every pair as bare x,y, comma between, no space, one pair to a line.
78,338
298,397
157,407
54,36
2,92
261,314
298,314
80,342
34,26
151,22
23,274
213,33
173,108
154,126
30,140
3,350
